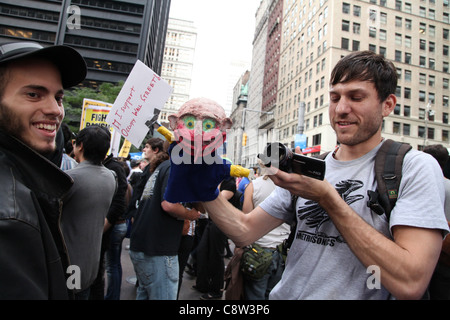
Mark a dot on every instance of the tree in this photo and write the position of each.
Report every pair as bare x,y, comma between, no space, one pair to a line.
73,100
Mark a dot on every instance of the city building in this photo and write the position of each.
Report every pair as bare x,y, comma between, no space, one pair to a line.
110,35
236,137
413,34
268,126
178,63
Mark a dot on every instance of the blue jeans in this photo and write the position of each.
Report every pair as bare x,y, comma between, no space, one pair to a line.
157,276
112,262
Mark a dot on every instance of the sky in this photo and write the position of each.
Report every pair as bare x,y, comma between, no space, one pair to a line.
225,31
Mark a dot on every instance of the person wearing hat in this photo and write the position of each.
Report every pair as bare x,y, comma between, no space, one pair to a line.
33,260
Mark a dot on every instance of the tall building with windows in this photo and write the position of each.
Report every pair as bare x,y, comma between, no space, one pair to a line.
413,34
110,35
178,63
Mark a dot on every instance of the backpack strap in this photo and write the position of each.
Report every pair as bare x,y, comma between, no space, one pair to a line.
388,173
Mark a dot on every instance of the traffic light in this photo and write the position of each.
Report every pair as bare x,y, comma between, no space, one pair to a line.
244,139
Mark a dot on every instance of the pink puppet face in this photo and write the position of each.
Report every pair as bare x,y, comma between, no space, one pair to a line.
200,126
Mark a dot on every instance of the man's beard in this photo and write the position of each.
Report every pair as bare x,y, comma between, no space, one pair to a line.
11,125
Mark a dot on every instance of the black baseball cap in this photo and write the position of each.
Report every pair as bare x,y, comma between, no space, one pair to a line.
70,63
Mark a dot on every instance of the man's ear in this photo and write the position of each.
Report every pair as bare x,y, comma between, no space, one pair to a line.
389,105
226,124
173,121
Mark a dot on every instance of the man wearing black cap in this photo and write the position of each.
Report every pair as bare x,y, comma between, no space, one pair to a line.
33,260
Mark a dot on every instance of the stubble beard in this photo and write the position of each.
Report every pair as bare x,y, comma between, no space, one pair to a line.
11,125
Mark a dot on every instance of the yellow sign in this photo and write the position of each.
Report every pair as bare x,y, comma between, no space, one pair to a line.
125,150
94,112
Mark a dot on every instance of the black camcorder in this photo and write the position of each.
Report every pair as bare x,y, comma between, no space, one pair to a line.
278,155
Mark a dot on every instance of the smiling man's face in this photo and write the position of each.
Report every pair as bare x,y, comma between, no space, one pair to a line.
31,106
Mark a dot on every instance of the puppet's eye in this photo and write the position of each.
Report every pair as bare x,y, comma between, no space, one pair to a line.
189,122
208,124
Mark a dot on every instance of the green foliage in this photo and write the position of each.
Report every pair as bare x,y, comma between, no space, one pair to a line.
73,100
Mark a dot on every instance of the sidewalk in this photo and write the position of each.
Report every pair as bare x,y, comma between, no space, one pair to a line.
128,290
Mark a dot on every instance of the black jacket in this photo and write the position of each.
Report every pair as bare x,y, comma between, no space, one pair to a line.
33,258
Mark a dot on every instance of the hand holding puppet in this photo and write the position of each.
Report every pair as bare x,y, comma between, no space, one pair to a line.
196,169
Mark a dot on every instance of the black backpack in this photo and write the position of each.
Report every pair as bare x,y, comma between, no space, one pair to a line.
388,173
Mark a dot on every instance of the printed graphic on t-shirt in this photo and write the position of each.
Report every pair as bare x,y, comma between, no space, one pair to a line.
312,218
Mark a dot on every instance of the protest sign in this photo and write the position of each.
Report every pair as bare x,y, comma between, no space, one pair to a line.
143,94
95,112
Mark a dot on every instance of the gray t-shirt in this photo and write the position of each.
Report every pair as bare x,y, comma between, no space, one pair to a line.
320,264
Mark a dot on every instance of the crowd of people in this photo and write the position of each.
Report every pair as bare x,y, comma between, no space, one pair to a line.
67,206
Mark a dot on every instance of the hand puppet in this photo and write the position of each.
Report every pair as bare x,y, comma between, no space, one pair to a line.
196,169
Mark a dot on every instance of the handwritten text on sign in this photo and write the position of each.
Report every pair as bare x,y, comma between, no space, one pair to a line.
142,94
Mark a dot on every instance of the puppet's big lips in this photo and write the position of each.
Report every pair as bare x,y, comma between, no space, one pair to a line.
210,140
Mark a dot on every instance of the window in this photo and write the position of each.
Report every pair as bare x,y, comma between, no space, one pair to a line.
422,61
398,56
356,28
344,43
421,132
422,28
345,8
406,129
407,41
431,46
396,128
445,135
355,45
372,32
398,39
422,78
431,80
407,58
407,92
423,44
422,96
408,75
407,111
431,133
345,25
431,63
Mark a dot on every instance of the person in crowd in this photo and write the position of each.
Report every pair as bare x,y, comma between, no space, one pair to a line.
186,245
210,251
255,193
153,147
337,233
33,259
67,161
440,281
155,238
114,232
135,173
87,203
